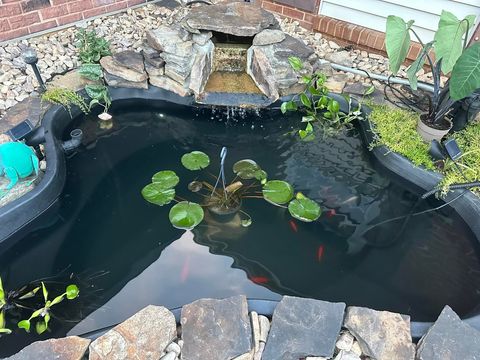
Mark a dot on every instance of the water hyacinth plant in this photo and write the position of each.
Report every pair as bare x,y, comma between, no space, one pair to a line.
250,181
26,299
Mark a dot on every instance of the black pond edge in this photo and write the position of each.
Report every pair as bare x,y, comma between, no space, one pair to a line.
25,214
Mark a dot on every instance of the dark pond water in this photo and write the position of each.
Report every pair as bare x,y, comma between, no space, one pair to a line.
124,253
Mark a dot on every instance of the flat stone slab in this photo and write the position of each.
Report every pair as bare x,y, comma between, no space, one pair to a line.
216,329
238,18
69,348
31,108
448,339
268,37
110,65
129,59
143,336
303,327
382,335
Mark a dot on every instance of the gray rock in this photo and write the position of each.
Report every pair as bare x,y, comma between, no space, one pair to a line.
169,356
268,37
69,348
381,334
155,62
346,355
174,347
31,108
345,341
130,60
167,83
340,57
260,70
216,329
202,67
255,330
153,70
202,38
143,336
113,68
180,61
264,327
170,39
177,73
303,327
118,82
237,18
449,338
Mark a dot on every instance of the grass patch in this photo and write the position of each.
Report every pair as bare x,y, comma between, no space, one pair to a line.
397,130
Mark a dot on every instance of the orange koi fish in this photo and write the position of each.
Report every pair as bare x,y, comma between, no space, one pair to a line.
320,251
293,225
259,279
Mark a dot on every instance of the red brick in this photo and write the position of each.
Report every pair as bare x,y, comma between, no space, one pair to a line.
309,18
79,6
135,2
305,24
54,11
24,20
117,6
69,18
292,13
272,7
4,25
13,34
42,26
94,12
330,26
10,10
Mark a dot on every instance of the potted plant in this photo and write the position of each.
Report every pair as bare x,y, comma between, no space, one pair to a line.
447,53
222,200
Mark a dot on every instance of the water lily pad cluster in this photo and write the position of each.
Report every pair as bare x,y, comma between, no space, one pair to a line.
187,215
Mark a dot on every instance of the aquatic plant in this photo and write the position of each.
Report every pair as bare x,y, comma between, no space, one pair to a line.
66,98
451,56
17,299
250,181
91,49
321,109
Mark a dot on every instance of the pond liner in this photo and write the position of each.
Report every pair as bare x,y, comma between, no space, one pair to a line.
30,211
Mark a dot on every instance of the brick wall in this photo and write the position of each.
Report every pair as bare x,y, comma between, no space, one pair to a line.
342,32
23,17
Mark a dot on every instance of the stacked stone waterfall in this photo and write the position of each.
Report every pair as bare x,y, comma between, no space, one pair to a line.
180,58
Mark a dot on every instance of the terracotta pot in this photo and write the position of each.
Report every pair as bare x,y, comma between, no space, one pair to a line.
429,133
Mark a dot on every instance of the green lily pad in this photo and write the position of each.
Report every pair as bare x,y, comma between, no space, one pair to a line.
304,209
24,324
186,215
195,160
277,191
166,179
72,291
247,169
157,194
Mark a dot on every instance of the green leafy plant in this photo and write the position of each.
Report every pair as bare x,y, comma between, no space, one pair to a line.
250,181
91,49
17,300
321,110
451,55
66,98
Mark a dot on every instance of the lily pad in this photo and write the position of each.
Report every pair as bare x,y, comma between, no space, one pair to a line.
195,186
72,291
277,191
156,194
247,169
195,160
304,209
166,179
186,215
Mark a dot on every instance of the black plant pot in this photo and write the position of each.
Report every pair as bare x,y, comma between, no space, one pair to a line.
467,111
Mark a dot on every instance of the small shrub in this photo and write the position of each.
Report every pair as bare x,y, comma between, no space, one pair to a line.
65,97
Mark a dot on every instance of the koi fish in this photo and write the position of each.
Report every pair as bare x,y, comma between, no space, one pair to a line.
293,225
320,251
185,270
331,213
259,279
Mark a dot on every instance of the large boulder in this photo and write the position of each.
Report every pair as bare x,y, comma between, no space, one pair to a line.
143,336
69,348
269,67
173,40
302,328
216,329
202,67
382,335
448,339
237,18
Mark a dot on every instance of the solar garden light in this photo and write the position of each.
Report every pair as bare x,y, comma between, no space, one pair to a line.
30,57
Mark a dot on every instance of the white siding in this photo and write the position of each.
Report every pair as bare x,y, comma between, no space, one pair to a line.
373,13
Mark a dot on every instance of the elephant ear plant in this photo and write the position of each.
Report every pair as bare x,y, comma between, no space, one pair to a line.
451,56
250,181
321,110
26,299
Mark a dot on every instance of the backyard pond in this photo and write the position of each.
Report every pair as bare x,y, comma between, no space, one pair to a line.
124,254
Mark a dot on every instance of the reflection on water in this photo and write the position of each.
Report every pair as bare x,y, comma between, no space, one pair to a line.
103,226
